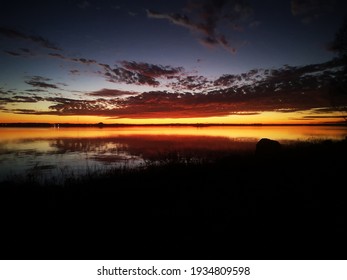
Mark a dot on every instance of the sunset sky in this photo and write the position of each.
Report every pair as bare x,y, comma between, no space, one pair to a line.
226,61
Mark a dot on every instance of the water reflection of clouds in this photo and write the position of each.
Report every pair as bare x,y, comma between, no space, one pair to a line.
112,158
85,145
233,132
154,147
45,154
26,144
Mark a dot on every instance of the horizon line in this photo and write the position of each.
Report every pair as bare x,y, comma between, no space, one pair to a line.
100,124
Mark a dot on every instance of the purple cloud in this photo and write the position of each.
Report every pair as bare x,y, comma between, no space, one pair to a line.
206,17
139,73
41,82
111,93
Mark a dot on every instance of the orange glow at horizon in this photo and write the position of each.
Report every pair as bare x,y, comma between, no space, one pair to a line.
232,132
261,118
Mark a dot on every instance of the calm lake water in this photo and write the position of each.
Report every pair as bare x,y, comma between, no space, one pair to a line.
62,152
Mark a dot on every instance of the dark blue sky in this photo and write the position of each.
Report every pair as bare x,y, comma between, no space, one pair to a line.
263,33
66,48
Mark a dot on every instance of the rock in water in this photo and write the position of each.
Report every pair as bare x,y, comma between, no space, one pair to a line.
267,147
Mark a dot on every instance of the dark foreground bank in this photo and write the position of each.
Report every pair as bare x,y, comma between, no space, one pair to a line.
290,204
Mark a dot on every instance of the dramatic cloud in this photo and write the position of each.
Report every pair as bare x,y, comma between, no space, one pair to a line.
14,34
122,75
5,100
330,109
128,72
74,72
111,93
20,99
287,89
151,70
227,80
191,83
35,90
66,106
177,19
20,52
206,18
57,55
74,59
26,99
139,73
41,82
25,112
84,60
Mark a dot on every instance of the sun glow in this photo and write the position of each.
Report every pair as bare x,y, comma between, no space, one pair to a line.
271,117
253,133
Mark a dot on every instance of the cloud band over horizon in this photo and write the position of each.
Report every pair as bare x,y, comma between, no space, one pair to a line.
283,90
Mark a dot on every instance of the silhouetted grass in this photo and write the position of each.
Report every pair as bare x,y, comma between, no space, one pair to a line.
238,206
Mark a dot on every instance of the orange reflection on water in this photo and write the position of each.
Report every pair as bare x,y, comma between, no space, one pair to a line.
75,148
254,132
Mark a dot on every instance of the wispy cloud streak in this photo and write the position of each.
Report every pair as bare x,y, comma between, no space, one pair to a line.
41,82
15,34
206,17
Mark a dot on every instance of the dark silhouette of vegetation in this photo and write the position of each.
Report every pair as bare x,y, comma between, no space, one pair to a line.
338,89
339,44
241,206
